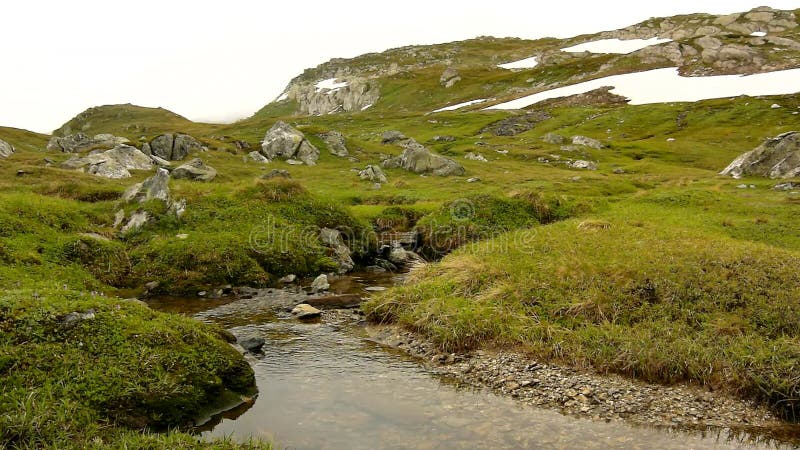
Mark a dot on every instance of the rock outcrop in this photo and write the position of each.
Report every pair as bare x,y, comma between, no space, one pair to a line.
6,149
449,77
79,142
114,163
172,147
282,141
418,159
373,173
358,94
340,253
778,157
195,170
336,143
587,142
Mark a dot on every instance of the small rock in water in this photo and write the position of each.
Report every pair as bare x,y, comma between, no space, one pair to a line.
375,289
305,311
320,284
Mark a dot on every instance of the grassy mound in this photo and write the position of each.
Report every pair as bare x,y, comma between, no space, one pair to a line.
70,380
622,293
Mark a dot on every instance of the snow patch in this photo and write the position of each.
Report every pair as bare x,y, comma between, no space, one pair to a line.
615,45
366,107
460,105
666,85
527,63
330,84
282,97
758,34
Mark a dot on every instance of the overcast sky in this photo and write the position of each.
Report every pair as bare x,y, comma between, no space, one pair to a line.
223,60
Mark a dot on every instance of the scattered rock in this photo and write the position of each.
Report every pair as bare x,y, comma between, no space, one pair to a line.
74,318
443,139
284,142
151,286
475,157
553,138
581,164
587,142
775,106
276,173
257,157
786,186
778,157
336,143
399,255
137,220
6,149
195,170
373,173
320,284
473,180
449,77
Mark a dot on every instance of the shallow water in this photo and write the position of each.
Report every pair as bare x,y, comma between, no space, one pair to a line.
326,386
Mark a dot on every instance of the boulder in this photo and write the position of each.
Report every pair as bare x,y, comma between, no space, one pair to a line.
418,159
114,163
284,142
391,137
305,311
80,142
336,143
320,284
257,157
587,142
6,149
373,173
137,220
514,125
195,170
153,188
449,77
174,147
400,256
250,340
778,157
582,164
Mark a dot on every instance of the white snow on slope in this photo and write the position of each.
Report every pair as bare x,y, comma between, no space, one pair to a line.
666,85
330,84
460,105
758,34
527,63
615,45
282,97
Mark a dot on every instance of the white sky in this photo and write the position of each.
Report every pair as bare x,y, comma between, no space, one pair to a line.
223,60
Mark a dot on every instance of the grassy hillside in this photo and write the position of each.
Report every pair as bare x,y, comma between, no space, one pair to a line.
652,265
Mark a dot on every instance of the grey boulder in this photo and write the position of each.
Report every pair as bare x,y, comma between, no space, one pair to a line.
778,157
6,149
587,142
373,173
174,147
282,141
114,163
336,143
195,170
418,159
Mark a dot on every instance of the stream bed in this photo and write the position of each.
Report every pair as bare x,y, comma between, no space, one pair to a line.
327,385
